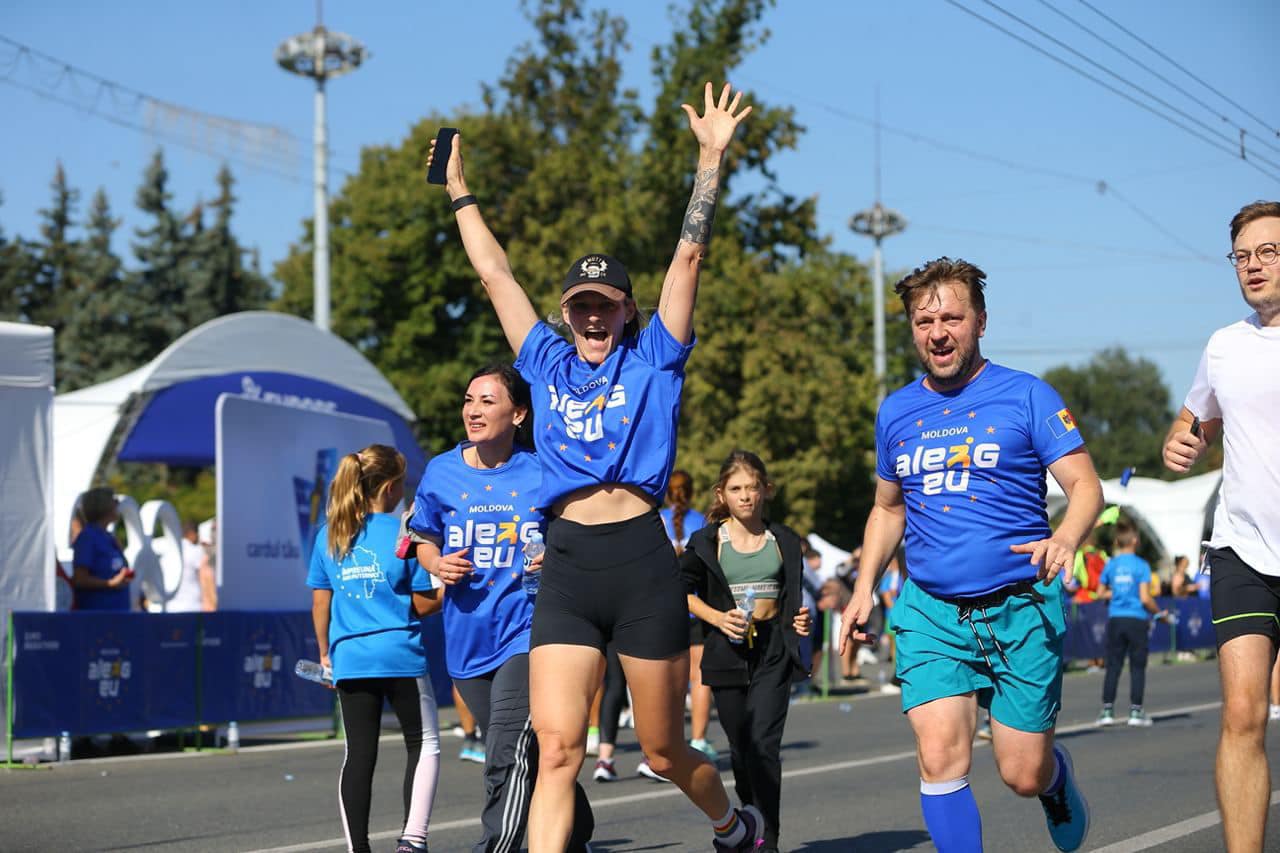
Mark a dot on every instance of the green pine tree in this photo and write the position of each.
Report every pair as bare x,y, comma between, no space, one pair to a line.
158,286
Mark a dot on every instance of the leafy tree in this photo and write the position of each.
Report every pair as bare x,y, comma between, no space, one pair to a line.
566,161
1122,408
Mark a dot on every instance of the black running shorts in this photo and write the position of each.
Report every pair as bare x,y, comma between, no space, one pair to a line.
616,582
1243,600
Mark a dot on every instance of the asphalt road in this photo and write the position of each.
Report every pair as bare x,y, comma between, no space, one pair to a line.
850,784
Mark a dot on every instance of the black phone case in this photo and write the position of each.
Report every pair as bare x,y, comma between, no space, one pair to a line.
440,160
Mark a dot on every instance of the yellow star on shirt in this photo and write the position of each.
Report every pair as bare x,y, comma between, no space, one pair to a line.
489,488
973,498
920,422
626,420
453,512
922,504
563,448
533,509
586,457
946,508
612,446
902,444
990,430
946,411
973,415
464,496
514,493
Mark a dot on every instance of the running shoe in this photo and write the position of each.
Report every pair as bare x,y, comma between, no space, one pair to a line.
593,741
704,746
458,731
984,731
1106,718
649,773
404,845
626,720
1138,717
605,771
472,750
1065,810
752,841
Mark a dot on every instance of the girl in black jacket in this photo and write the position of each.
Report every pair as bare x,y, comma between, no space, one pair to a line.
749,664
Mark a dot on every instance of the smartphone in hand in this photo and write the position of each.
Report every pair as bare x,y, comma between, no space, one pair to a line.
1195,426
440,158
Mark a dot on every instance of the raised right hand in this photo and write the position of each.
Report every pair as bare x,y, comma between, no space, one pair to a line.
453,568
454,182
1182,450
853,622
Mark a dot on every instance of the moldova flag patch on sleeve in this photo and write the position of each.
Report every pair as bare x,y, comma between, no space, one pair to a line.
1060,423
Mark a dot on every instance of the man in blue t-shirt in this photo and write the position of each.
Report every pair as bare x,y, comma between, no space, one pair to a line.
1125,583
961,459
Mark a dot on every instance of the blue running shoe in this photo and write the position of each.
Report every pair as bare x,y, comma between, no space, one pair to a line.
404,845
752,840
1066,811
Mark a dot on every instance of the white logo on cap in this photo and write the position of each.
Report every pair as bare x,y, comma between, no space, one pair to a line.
594,267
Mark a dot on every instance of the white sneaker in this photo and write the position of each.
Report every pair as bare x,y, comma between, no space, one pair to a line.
593,741
604,771
648,772
626,720
1138,717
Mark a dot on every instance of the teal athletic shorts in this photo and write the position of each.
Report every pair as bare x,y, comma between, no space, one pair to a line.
1009,653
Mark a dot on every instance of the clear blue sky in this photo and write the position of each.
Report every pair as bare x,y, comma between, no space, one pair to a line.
1070,269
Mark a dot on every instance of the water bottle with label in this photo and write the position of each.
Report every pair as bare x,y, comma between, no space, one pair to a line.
233,736
748,608
64,747
314,671
533,549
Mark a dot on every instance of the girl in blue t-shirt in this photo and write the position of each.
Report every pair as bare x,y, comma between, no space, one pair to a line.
473,513
366,603
612,397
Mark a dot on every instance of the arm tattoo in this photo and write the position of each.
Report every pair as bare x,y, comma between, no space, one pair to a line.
702,207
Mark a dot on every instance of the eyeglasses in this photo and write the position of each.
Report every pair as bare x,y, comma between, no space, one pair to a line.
1266,255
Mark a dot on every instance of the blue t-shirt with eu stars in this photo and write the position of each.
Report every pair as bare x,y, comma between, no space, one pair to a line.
373,631
98,551
1125,575
612,423
971,463
492,511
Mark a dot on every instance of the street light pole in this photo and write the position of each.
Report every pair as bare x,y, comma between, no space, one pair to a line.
878,222
320,54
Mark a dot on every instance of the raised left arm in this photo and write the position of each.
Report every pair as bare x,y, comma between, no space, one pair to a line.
714,130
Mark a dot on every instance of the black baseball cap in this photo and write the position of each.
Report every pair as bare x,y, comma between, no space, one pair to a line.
599,273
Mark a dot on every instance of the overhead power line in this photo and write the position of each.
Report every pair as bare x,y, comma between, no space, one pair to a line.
265,147
1255,162
1162,78
1270,128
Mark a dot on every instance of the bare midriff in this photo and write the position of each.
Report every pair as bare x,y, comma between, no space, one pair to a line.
766,609
604,503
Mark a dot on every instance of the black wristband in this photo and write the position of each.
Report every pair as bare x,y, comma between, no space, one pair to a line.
461,202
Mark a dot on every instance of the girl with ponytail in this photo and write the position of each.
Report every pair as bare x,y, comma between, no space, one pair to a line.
366,604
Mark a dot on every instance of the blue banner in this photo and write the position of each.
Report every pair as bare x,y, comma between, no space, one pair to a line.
247,667
1087,628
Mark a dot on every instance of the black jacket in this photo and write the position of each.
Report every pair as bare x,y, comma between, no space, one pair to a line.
724,664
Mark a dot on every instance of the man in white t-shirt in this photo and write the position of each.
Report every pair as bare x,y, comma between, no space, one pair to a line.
1236,395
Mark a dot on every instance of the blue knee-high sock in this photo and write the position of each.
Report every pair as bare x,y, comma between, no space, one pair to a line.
951,816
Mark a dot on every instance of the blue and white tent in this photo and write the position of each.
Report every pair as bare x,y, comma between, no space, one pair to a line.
164,411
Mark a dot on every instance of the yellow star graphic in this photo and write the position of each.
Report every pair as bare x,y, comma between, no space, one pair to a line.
533,509
920,422
489,488
515,575
973,414
946,411
973,498
586,457
902,444
514,493
626,420
946,508
922,504
612,446
990,430
563,448
464,496
452,512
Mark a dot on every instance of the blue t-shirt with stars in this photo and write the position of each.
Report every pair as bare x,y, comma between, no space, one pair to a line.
373,631
612,423
492,511
971,464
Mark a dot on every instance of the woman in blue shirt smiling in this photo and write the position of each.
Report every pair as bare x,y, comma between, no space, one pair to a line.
475,509
366,604
612,402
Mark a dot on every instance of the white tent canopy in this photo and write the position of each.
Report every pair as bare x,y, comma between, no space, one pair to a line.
1175,514
85,420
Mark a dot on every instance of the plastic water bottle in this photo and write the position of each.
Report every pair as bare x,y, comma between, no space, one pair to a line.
233,736
533,549
748,608
313,671
64,747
